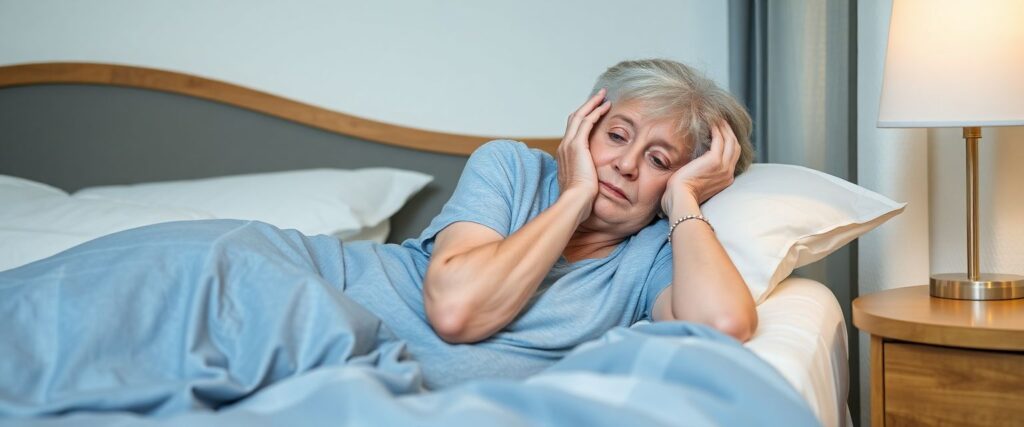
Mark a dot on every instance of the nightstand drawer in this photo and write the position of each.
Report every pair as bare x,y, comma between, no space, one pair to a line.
932,385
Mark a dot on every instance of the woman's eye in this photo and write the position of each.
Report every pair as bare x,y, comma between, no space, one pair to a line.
661,164
616,137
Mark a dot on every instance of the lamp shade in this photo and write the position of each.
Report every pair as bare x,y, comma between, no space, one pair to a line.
954,63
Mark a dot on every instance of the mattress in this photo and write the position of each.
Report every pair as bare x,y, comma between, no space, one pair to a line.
802,333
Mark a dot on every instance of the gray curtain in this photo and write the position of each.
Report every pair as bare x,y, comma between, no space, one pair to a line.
794,64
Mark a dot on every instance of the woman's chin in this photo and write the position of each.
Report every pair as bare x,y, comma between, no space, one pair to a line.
613,213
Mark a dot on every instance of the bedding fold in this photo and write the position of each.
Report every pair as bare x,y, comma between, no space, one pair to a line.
239,323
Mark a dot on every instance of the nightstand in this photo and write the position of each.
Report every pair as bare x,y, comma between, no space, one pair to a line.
938,361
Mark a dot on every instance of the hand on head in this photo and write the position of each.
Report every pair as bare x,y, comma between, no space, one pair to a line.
708,174
575,166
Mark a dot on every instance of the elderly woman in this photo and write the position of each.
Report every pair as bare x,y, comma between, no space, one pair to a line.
532,256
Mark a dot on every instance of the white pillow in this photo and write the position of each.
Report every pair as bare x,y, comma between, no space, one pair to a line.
318,201
378,233
36,224
14,189
775,218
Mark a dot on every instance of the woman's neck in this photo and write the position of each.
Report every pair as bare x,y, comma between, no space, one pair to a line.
586,243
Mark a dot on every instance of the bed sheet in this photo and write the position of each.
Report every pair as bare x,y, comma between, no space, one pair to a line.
241,323
802,333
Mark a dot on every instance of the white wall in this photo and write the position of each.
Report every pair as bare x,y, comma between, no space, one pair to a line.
489,68
1000,204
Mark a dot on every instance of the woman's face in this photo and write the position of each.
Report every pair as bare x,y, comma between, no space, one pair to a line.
634,156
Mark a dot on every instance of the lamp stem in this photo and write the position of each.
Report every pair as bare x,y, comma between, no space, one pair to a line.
972,135
974,285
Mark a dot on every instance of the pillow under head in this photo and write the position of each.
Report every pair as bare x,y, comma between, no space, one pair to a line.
775,218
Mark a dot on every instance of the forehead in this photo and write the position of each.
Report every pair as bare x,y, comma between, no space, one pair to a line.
634,114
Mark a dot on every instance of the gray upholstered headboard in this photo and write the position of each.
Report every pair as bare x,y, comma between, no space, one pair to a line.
66,125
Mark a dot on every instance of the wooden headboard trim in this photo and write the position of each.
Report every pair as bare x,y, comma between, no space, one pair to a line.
239,96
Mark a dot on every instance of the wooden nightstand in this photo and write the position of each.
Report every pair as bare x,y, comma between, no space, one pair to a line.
940,361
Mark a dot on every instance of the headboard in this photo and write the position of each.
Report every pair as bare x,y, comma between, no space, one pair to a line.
74,125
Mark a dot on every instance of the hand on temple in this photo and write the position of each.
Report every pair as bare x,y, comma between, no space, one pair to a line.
708,174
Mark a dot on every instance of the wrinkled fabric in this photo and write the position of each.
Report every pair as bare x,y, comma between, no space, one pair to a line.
221,323
179,316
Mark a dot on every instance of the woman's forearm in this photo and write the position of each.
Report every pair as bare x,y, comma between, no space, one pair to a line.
481,290
706,287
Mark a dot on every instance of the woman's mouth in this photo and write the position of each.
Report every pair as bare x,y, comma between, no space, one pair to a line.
613,190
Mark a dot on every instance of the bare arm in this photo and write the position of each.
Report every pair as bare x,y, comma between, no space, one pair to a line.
706,287
477,282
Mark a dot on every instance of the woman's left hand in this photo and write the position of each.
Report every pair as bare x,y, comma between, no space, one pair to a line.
708,174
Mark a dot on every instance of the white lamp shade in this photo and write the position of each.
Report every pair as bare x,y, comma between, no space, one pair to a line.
954,63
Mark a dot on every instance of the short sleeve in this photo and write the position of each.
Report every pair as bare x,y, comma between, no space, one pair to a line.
659,278
484,193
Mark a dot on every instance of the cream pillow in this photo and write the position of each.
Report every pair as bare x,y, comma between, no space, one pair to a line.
775,218
343,203
14,189
37,221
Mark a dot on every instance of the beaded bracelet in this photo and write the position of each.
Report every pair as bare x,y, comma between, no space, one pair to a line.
686,218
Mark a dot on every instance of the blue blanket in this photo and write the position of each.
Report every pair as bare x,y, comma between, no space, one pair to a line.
181,324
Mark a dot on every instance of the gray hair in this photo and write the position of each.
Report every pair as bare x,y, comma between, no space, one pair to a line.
673,90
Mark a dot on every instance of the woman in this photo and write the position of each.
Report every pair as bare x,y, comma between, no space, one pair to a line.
530,257
626,153
533,255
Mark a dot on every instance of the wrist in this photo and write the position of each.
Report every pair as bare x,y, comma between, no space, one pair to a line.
678,221
577,201
682,203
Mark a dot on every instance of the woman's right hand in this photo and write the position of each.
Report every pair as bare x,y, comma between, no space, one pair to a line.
576,173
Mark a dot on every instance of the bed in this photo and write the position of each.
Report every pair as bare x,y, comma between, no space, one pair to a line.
802,334
75,126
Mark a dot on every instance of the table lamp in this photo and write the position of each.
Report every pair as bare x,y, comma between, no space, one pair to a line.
958,63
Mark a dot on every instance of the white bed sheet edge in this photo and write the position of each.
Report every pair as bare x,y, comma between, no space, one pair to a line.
802,333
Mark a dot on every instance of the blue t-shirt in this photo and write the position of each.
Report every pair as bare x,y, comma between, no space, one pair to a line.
506,184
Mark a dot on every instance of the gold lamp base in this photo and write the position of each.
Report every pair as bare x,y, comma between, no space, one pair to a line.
973,285
986,287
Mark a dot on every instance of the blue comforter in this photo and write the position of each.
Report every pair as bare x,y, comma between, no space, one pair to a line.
176,323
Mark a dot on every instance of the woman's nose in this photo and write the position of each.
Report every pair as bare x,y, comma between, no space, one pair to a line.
625,165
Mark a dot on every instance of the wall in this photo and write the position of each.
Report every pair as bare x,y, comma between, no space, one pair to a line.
1000,204
488,68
